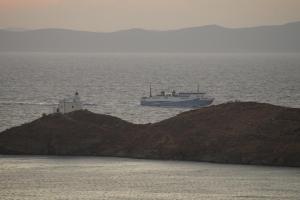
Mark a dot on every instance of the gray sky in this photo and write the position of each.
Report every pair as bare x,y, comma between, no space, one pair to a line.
111,15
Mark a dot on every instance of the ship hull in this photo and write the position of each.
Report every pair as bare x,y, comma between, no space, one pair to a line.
191,103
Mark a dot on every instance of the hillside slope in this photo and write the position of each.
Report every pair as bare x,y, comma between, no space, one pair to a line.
247,133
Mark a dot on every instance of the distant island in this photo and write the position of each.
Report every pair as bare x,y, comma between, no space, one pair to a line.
210,39
237,132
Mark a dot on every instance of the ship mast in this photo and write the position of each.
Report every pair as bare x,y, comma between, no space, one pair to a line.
150,91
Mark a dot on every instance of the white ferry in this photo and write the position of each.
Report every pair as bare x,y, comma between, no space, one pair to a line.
181,99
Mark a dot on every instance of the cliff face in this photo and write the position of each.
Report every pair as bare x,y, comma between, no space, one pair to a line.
248,133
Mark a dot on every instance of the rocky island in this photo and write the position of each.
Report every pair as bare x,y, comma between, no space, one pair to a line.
236,132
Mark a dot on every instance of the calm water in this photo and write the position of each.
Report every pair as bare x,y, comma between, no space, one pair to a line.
31,83
52,178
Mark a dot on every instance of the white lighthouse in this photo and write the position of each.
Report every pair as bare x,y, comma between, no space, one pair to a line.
67,105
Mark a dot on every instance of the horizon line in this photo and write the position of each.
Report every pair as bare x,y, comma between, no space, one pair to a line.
142,29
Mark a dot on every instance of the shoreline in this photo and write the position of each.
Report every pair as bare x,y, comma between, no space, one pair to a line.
75,157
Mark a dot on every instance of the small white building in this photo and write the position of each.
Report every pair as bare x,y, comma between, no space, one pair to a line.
69,104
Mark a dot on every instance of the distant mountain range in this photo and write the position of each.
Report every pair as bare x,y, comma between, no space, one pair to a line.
212,38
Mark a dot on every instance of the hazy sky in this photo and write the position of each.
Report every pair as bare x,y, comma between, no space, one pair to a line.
110,15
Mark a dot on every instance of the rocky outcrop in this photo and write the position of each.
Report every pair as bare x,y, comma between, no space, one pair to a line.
246,133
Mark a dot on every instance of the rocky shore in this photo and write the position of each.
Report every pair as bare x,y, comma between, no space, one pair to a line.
239,132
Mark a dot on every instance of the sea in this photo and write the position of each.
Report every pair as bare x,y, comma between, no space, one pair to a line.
32,84
92,178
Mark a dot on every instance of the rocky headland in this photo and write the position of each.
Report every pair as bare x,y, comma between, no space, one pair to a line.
238,132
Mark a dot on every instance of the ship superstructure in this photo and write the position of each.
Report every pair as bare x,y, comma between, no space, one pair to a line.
181,99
